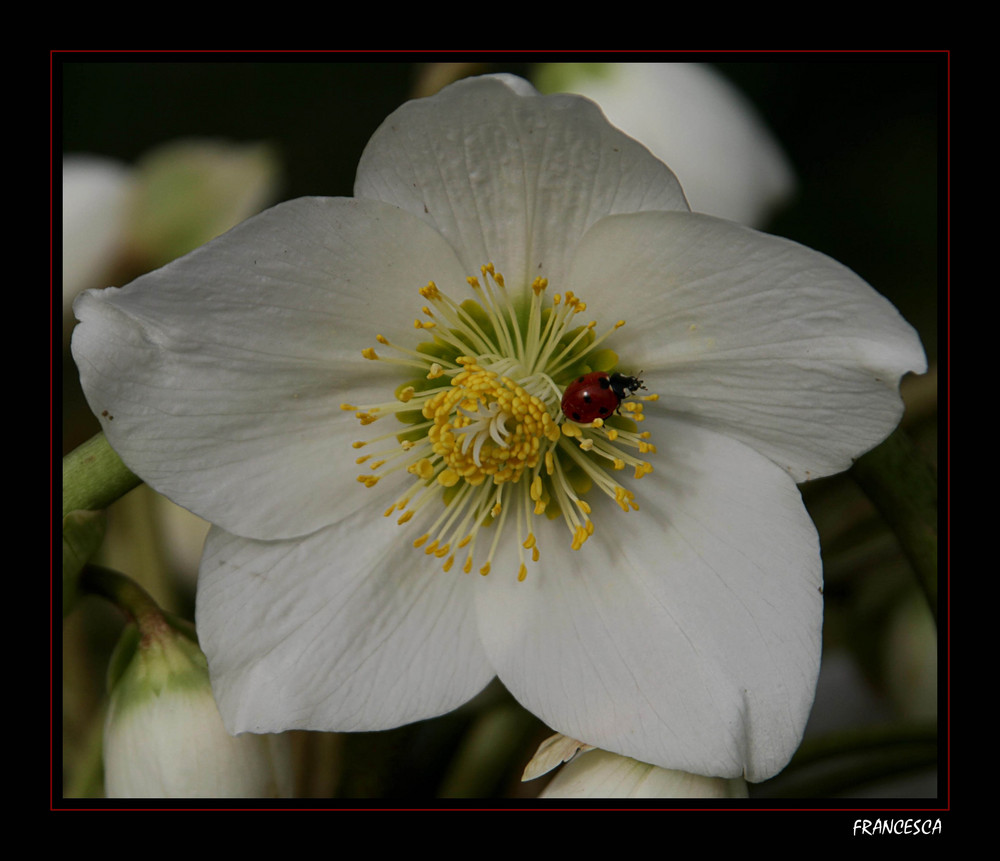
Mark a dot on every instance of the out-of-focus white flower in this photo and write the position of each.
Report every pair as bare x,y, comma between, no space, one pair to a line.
177,197
691,117
591,773
654,579
163,735
95,201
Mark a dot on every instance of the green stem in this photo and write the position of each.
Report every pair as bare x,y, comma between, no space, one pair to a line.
902,486
94,476
127,595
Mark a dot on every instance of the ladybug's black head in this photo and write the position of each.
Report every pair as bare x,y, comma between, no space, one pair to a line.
624,386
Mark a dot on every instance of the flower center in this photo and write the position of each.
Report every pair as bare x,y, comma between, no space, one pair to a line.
486,439
487,426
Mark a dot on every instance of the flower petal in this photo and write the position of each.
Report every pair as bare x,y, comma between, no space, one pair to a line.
755,336
219,378
348,629
685,635
693,118
511,178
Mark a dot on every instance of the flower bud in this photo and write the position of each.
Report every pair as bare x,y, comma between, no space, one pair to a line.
163,735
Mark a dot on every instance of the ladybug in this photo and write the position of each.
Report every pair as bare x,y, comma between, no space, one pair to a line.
597,395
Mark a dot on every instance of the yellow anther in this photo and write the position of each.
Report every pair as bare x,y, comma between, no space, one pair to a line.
495,511
619,324
382,339
529,542
448,478
448,563
642,469
618,463
369,353
612,434
422,468
522,573
435,371
406,516
406,394
535,490
485,569
358,444
420,541
349,408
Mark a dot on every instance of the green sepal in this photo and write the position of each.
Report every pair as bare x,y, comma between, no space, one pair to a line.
122,654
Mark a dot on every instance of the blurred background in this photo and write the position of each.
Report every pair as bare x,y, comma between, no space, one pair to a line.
864,137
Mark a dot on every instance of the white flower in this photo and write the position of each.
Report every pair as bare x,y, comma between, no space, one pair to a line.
692,118
675,618
164,738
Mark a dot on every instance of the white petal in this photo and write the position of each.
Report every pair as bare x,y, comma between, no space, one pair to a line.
758,337
219,378
510,178
685,635
709,133
348,629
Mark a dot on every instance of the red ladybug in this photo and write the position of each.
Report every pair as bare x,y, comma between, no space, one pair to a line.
597,395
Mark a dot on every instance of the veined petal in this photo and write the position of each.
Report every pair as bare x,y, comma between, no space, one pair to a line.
755,336
509,177
233,410
685,634
348,629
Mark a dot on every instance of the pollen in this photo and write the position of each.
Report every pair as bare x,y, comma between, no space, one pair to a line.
480,442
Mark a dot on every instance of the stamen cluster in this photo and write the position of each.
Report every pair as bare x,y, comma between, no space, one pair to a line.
484,432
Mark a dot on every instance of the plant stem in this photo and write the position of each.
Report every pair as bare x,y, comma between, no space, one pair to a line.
94,476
